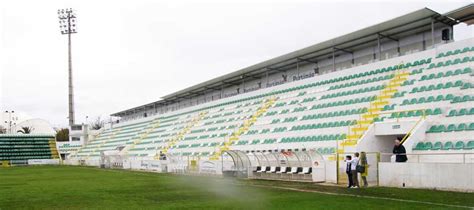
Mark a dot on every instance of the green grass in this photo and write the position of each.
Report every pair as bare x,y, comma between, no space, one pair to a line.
67,187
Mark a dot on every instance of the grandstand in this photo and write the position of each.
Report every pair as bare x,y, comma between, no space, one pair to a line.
22,149
404,78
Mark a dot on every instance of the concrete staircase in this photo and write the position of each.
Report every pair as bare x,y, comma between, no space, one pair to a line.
180,135
143,134
242,129
54,149
375,108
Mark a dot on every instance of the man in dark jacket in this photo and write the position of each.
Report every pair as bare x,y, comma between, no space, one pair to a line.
348,170
400,152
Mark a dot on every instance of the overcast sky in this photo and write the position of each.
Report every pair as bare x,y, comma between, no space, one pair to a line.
128,53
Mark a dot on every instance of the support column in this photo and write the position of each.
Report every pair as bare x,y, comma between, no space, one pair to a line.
266,84
424,41
243,83
432,33
451,33
222,90
333,59
379,48
398,47
297,68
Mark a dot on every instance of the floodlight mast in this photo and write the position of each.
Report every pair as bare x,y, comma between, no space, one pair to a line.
67,25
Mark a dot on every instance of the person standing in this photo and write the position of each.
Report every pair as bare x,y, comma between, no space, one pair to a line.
348,170
400,152
365,173
355,177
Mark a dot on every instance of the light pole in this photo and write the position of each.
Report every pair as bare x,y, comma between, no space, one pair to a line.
9,121
67,25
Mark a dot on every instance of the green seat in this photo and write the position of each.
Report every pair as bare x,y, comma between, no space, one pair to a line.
469,145
459,145
448,146
402,114
462,112
461,127
467,70
405,102
471,127
448,73
437,146
466,86
451,128
418,113
433,129
419,146
452,113
449,97
428,146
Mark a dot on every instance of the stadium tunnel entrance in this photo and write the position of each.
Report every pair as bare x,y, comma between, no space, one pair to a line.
306,165
380,137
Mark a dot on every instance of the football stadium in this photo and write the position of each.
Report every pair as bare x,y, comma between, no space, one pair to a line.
387,109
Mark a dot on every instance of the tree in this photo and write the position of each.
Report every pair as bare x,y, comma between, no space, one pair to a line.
62,134
97,124
3,130
25,130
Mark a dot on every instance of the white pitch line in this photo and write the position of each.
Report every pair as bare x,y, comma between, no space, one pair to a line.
361,196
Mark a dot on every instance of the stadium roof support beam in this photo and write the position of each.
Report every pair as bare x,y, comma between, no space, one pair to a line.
230,83
346,51
211,88
251,76
275,69
308,60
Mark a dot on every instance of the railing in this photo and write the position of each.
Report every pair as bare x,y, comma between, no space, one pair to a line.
434,157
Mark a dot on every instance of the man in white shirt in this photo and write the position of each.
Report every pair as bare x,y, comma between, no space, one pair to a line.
354,163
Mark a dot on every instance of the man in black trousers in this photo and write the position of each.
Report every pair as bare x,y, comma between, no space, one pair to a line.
348,170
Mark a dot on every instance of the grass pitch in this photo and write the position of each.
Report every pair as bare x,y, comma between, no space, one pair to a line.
67,187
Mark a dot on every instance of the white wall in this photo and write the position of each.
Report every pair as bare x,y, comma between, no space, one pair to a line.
447,176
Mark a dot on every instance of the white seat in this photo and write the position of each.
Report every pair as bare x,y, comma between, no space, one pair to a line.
306,170
272,169
282,170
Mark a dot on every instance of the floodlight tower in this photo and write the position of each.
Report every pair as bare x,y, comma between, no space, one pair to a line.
67,25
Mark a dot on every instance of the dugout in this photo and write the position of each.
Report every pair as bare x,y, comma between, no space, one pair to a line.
306,165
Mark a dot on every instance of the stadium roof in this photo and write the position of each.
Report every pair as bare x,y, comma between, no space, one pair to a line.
464,14
394,29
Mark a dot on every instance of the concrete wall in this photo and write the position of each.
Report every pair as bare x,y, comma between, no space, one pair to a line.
446,176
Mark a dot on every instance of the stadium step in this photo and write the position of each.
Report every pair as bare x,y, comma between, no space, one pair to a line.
245,127
102,142
53,148
143,134
180,135
362,125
